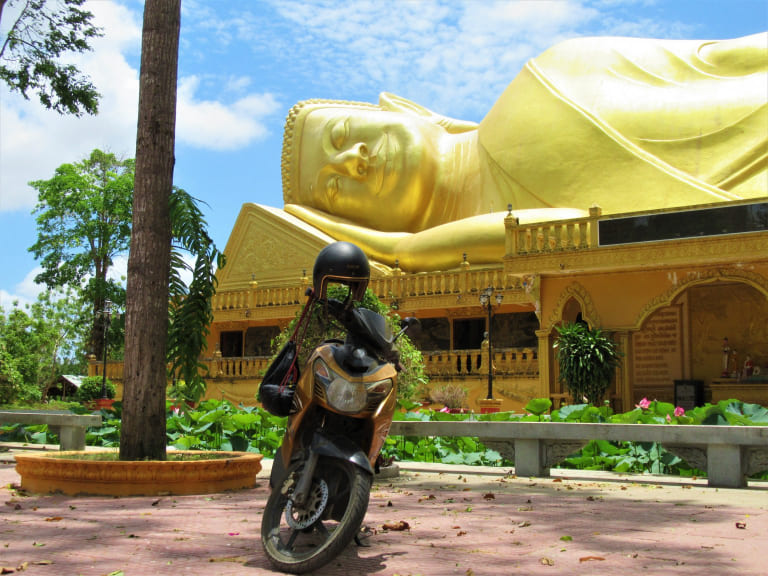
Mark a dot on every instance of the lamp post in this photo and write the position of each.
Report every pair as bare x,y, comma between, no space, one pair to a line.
106,314
487,302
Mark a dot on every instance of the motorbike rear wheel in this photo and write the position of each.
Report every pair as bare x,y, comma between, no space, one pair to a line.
300,539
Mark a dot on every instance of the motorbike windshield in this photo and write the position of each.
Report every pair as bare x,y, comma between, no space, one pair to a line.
372,328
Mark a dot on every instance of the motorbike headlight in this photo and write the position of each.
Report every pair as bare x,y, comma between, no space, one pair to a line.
346,396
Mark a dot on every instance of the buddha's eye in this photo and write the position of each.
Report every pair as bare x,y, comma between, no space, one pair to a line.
339,133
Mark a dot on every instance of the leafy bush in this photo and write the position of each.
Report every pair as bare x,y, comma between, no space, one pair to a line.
90,389
587,360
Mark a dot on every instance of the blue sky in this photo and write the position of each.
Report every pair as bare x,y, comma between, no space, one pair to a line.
244,63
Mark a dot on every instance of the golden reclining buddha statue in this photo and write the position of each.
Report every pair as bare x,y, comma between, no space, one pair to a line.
624,123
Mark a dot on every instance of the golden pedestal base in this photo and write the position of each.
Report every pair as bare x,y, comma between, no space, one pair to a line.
489,405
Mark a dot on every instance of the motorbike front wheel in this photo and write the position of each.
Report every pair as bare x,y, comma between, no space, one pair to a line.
300,539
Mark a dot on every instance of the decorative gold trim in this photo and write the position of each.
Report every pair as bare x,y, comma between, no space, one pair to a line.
757,281
583,297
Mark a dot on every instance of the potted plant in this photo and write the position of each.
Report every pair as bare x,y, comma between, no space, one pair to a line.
587,359
89,393
452,396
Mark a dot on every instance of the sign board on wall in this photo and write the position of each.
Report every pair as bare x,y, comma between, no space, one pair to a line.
657,358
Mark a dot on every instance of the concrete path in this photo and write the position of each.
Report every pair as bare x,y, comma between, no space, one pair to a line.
458,520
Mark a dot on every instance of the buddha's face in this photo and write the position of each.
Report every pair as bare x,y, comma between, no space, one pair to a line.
373,167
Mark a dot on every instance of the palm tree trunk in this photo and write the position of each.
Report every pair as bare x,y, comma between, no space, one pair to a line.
143,433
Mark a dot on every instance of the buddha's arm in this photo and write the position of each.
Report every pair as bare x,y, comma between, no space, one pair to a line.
481,238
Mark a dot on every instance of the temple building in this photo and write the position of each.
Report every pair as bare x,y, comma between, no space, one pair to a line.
683,292
635,180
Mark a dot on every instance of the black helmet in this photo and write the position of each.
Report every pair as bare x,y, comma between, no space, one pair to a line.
341,263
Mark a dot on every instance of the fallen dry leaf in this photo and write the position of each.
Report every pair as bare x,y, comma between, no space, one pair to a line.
461,533
240,559
741,525
7,570
547,561
489,496
398,526
591,558
54,519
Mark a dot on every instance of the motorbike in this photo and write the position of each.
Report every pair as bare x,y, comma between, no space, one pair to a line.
342,410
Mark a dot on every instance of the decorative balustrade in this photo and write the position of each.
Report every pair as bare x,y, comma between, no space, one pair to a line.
458,363
516,362
249,367
555,236
388,288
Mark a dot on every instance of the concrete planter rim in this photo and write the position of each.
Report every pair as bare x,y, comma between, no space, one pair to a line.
54,472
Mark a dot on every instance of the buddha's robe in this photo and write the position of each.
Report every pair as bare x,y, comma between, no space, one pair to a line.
633,124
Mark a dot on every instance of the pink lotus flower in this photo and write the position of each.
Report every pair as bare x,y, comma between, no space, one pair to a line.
644,404
445,409
668,419
679,411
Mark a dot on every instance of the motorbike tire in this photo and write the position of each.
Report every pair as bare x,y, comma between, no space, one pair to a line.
323,528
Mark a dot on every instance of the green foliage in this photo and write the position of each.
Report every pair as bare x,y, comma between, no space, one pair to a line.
90,389
539,406
38,343
219,425
190,313
31,54
83,220
411,379
587,360
84,216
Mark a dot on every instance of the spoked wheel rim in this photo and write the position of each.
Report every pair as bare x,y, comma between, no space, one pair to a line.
302,538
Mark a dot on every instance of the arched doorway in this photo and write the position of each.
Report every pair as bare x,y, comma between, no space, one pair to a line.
684,340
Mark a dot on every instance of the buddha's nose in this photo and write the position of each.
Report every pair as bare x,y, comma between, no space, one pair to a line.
353,161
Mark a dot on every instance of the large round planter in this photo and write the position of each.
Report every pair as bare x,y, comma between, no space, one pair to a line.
56,473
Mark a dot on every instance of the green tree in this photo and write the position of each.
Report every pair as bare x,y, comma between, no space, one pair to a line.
143,431
587,359
83,219
84,222
38,343
32,50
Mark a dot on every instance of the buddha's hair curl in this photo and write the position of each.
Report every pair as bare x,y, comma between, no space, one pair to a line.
289,158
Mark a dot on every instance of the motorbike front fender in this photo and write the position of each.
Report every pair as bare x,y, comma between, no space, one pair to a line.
342,448
338,447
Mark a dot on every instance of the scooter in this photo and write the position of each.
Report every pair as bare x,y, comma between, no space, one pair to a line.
342,410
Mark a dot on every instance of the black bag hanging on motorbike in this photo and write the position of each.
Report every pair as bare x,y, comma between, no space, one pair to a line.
279,382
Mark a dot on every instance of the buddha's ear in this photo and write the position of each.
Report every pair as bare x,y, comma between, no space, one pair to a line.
395,103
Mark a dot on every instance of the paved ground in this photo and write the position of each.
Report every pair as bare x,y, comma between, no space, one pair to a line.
465,521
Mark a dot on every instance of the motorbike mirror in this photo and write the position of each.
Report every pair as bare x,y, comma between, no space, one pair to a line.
410,325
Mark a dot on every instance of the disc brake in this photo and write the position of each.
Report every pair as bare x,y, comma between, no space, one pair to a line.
301,517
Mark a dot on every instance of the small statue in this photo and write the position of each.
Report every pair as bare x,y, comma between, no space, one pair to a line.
726,358
748,367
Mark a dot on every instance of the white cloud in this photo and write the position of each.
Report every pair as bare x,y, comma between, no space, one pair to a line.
35,141
214,125
25,292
